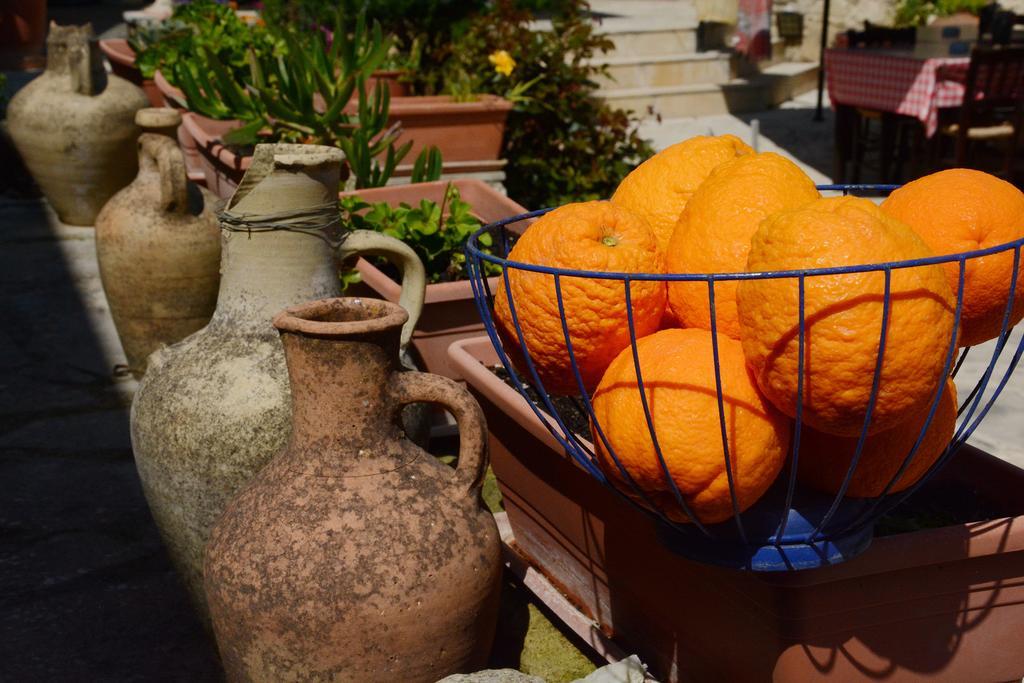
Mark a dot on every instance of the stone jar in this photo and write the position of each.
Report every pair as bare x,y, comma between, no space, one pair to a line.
212,409
356,555
75,128
158,247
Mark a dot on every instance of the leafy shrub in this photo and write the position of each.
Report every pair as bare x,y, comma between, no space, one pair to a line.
437,233
917,12
312,92
198,27
562,142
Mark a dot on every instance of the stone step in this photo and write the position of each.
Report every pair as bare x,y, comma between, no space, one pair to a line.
666,70
772,87
647,36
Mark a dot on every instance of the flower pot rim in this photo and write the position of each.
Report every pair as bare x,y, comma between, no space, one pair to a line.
886,554
441,105
118,50
171,93
209,143
501,206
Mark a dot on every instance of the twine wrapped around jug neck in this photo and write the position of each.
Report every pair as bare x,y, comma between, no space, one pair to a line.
322,221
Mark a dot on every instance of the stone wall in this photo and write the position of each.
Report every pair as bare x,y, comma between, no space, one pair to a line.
846,14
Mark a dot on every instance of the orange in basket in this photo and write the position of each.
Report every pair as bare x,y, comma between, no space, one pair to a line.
593,236
825,459
659,188
714,231
678,373
843,316
963,210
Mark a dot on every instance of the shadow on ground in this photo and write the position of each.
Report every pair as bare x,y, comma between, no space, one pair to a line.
87,592
796,130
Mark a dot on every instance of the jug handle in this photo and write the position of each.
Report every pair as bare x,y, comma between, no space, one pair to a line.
414,277
166,155
417,387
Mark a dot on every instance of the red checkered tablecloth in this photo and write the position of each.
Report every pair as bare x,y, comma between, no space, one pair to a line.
896,82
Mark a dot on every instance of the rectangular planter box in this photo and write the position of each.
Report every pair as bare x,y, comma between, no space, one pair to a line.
449,311
463,131
221,168
938,604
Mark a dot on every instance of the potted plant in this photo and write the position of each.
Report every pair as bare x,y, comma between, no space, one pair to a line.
434,218
309,93
943,598
562,142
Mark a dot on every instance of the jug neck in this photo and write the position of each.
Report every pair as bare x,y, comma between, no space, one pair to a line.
73,53
341,355
263,273
265,269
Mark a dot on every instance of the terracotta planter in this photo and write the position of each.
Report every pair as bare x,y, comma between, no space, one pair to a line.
75,128
355,555
463,131
222,169
22,34
172,95
122,62
389,77
937,604
449,312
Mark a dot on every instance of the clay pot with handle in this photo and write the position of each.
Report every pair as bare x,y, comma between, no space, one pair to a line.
355,555
75,128
214,408
158,247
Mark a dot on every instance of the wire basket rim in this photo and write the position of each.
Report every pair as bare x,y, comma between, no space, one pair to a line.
473,248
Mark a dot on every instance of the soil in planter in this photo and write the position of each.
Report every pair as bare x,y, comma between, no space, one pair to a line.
940,503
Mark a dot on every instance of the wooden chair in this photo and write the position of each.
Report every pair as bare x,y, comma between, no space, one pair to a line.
993,106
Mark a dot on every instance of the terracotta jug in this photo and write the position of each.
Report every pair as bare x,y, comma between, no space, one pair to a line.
158,247
75,128
212,409
355,555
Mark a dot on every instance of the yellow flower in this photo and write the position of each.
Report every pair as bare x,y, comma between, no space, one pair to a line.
503,62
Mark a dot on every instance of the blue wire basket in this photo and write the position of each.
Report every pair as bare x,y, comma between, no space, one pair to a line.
790,527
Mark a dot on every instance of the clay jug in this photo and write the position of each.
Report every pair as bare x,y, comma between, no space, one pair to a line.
158,247
75,128
355,555
212,409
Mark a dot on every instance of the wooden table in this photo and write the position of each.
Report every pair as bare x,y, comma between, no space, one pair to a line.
893,82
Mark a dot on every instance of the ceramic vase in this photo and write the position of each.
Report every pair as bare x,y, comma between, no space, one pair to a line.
355,555
158,247
75,128
213,409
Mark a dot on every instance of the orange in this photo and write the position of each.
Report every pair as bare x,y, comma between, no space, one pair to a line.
659,188
713,233
825,459
843,316
594,236
679,382
963,210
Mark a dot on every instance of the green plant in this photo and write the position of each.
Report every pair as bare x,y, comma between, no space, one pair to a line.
562,142
918,12
437,233
199,28
313,92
